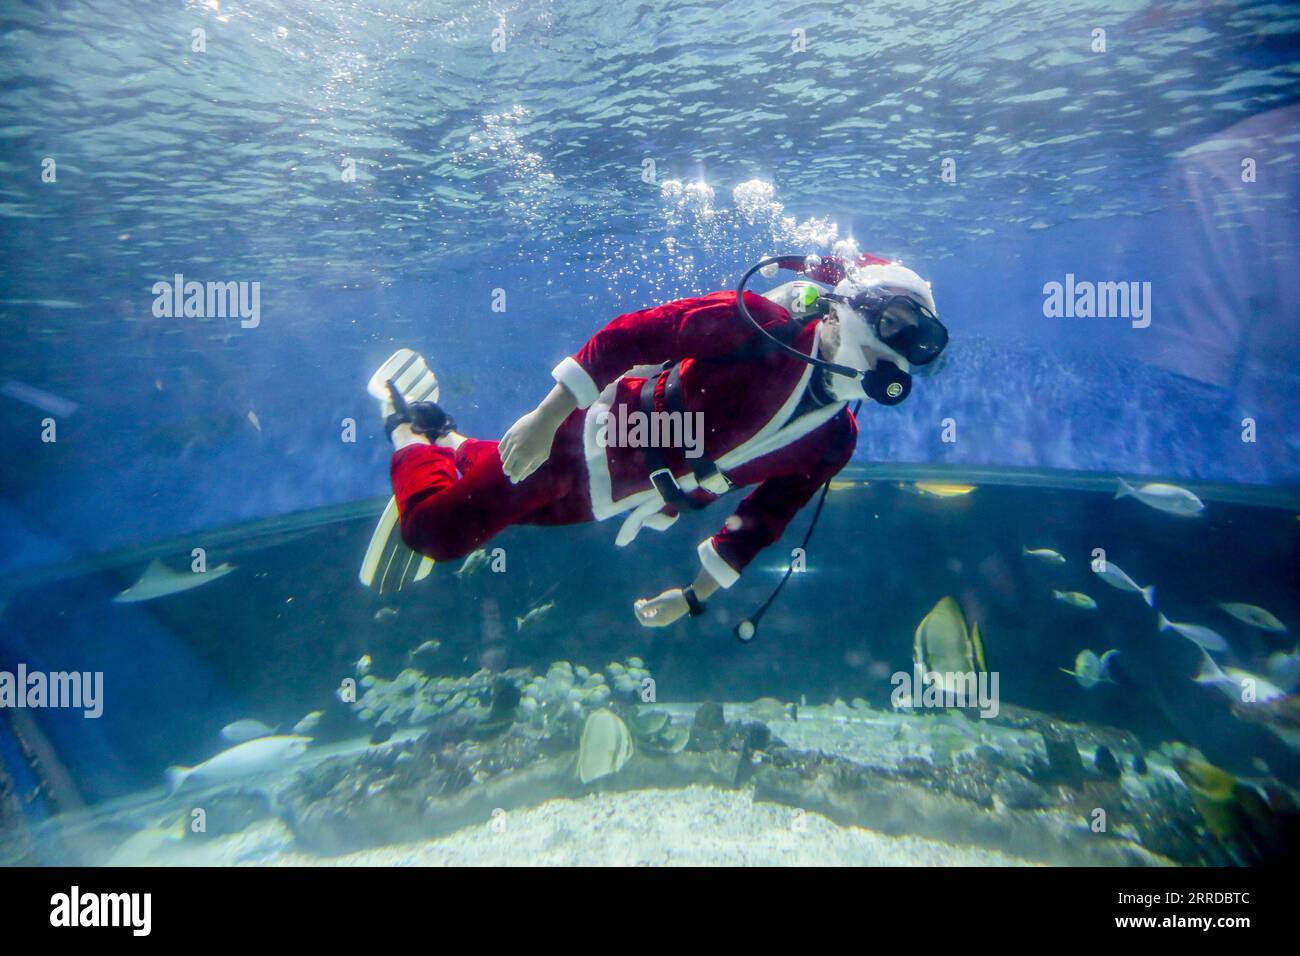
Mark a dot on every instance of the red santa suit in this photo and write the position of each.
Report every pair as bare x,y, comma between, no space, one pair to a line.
750,431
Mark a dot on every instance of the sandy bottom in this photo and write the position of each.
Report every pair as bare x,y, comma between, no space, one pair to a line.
697,826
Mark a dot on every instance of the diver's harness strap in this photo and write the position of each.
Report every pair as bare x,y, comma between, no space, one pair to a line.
707,474
706,471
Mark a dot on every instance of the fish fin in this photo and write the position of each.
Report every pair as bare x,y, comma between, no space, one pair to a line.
519,623
1064,671
1162,622
1106,658
1125,490
1210,671
176,776
978,646
1149,595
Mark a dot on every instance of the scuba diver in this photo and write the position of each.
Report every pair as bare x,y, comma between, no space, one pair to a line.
770,376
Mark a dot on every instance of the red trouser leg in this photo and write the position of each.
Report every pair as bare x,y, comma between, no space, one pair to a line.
446,517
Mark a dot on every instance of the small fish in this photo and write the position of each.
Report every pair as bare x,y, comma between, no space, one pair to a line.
385,614
1196,633
428,647
248,759
254,420
473,563
304,727
1284,668
1046,555
1076,599
533,616
35,397
1255,617
246,729
1090,670
1237,684
1167,498
158,580
1114,575
939,489
363,665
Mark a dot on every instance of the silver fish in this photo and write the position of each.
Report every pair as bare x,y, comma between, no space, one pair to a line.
1075,599
158,580
1255,617
1046,555
472,563
1196,633
1114,575
1167,498
533,616
1236,684
248,759
35,397
247,729
309,723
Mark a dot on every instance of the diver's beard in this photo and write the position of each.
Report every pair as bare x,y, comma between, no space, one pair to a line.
830,348
830,338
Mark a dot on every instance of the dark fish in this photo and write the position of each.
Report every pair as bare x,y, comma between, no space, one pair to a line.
505,699
505,702
1106,763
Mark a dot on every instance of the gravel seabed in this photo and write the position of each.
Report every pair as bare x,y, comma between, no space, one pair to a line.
696,826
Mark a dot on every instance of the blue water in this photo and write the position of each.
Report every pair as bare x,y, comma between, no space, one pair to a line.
611,157
522,170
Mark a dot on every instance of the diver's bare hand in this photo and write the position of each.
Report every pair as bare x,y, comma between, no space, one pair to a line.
662,610
526,445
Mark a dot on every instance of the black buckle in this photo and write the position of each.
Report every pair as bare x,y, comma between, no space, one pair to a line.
667,486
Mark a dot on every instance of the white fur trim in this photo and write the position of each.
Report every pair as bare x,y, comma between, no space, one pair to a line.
718,569
575,378
893,274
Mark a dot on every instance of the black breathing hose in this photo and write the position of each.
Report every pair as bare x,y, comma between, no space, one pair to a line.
795,264
747,629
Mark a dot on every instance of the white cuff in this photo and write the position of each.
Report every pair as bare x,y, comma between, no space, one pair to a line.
575,378
718,569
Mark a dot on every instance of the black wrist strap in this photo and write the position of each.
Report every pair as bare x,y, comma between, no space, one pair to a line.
392,421
693,601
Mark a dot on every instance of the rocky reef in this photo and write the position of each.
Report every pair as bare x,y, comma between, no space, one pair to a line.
1024,782
460,752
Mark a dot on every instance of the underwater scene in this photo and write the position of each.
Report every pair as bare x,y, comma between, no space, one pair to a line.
692,434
